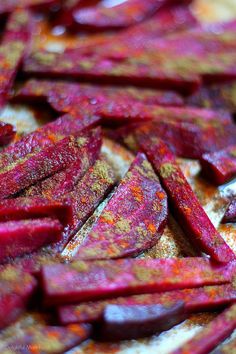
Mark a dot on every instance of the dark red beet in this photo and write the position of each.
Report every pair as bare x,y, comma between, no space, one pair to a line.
230,214
39,165
185,204
25,236
46,135
122,322
103,279
46,339
17,288
220,166
196,300
134,218
212,335
36,207
7,133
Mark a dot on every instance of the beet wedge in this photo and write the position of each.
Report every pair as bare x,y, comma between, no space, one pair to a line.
122,322
7,6
7,133
196,300
46,135
36,207
230,214
89,192
14,49
220,166
134,218
25,236
212,335
187,208
46,339
39,165
103,279
17,288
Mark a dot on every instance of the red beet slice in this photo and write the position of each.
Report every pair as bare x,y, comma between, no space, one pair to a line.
45,136
16,44
81,280
134,218
122,322
212,335
115,17
220,166
46,339
24,236
8,6
89,192
39,165
54,93
64,181
185,204
200,299
230,214
7,133
17,288
28,208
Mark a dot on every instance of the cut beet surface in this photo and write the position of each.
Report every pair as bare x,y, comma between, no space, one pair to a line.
186,206
219,167
17,288
134,218
7,133
230,214
121,322
196,300
39,165
81,280
44,136
25,236
36,207
212,335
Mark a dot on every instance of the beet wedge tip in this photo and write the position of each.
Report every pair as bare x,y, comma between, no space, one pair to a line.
133,219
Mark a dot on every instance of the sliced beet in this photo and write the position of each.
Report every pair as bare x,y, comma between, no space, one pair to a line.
38,165
7,133
46,339
196,300
17,288
220,166
230,214
134,218
44,136
36,207
89,192
25,236
212,335
122,322
82,281
186,206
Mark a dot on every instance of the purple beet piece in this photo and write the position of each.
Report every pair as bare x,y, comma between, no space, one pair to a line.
116,17
17,288
89,192
64,181
212,335
7,6
220,166
134,218
24,236
44,136
39,165
14,49
196,300
122,322
7,133
186,206
46,339
230,214
84,280
36,207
